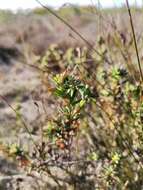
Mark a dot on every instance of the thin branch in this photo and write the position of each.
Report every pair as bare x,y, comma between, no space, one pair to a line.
134,38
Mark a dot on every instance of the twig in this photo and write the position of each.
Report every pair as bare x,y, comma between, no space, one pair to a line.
47,162
135,40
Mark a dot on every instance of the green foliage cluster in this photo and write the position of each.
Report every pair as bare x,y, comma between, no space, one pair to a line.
114,117
102,105
96,132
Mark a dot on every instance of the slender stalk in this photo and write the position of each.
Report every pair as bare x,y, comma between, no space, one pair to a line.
135,40
100,18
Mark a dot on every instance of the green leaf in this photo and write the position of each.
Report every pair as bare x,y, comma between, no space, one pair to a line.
93,156
82,103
